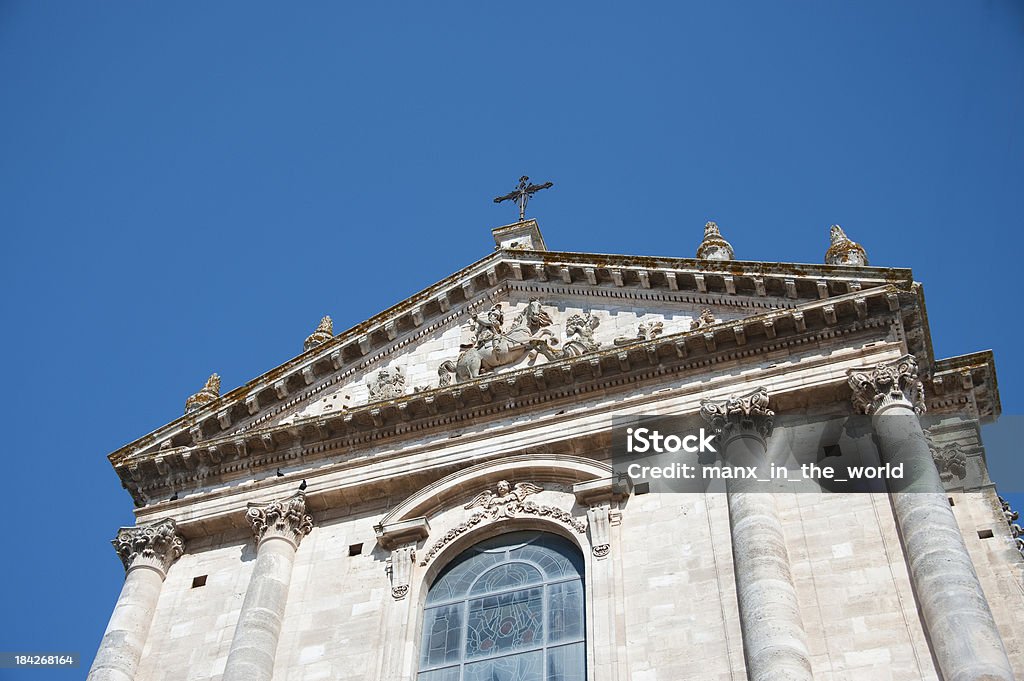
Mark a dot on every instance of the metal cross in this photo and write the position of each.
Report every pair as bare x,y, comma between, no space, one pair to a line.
522,194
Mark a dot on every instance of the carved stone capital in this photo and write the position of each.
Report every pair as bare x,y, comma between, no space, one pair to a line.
155,545
286,519
737,415
894,383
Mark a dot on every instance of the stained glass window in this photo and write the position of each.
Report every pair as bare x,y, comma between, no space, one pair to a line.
508,609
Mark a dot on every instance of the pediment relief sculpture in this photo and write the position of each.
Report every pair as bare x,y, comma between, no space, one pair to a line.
495,347
388,384
645,331
579,335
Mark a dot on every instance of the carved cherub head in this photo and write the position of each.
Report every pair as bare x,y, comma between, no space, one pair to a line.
504,487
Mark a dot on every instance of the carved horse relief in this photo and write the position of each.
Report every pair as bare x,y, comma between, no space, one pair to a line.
495,348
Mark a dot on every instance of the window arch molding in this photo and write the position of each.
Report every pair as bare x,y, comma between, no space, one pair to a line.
495,600
452,490
489,531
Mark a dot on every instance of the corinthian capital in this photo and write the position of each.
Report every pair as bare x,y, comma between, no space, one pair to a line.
734,415
887,384
286,519
156,545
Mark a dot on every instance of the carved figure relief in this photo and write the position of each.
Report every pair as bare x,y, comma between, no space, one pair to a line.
495,347
504,502
951,461
645,331
387,384
579,335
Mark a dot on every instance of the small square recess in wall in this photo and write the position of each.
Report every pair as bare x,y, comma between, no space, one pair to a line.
355,549
199,581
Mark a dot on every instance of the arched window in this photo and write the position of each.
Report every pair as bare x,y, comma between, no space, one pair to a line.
508,609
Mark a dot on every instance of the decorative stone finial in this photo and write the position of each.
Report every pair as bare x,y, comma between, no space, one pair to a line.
735,415
286,519
706,318
324,332
843,251
889,383
156,545
209,393
714,247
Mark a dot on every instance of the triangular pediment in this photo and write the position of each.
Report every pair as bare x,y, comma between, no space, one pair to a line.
535,330
631,298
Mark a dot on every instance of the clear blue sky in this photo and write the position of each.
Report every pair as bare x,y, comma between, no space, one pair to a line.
188,188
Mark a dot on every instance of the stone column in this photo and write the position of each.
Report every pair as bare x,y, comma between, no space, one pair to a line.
147,552
279,528
774,641
963,635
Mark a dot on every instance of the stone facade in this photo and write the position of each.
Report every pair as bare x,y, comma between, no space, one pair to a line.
291,528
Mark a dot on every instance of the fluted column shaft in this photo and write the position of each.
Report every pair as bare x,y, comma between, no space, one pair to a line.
279,528
774,640
147,552
964,638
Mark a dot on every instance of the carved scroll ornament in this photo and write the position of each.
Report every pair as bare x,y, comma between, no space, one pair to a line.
887,384
156,545
748,412
286,519
503,503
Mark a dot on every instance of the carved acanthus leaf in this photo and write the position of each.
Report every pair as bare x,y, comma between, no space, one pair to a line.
887,384
286,519
749,413
155,545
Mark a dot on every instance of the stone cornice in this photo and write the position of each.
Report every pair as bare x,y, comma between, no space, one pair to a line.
965,382
874,311
758,280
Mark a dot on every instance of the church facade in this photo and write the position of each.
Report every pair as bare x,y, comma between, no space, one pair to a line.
436,493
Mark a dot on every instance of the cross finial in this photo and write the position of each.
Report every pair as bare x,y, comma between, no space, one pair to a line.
522,194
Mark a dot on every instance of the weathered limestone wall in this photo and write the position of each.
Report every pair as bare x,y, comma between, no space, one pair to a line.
192,629
679,617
